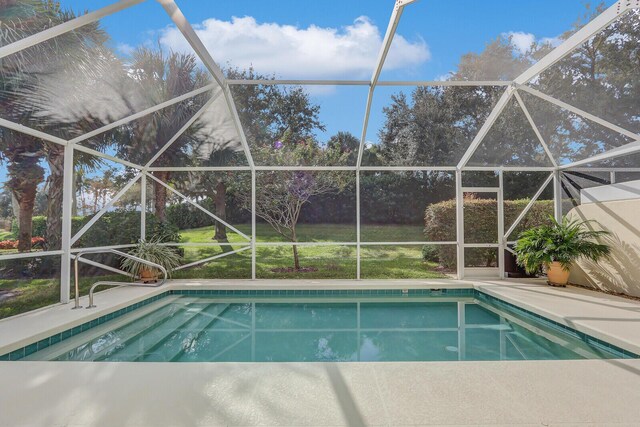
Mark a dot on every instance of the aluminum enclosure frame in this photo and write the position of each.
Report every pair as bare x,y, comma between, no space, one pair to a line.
512,90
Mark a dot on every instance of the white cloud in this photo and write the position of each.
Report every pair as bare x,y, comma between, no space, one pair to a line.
553,41
522,42
291,51
125,49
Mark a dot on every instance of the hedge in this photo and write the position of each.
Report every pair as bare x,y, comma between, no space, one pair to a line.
480,226
38,224
185,216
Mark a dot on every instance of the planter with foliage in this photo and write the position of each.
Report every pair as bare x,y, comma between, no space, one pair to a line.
151,251
557,246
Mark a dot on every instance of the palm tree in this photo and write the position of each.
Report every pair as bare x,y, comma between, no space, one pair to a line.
161,76
32,82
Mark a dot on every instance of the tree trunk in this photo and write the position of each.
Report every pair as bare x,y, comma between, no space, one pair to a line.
160,195
23,183
27,202
296,259
55,185
220,201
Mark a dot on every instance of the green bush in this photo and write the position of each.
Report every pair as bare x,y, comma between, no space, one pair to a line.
430,253
38,223
185,216
480,225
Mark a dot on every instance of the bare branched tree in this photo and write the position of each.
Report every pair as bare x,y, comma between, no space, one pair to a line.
281,195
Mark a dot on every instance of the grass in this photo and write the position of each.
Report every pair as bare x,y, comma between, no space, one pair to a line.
36,293
332,262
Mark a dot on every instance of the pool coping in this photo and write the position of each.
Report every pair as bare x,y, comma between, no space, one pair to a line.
118,301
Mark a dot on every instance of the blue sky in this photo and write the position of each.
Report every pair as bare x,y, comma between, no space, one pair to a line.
339,39
434,35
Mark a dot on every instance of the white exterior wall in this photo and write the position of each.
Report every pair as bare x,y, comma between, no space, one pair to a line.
608,193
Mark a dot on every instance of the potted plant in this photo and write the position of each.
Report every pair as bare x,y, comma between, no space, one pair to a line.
556,246
151,251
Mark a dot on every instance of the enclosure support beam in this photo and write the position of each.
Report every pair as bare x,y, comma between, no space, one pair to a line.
302,82
31,132
600,22
358,275
524,212
107,157
144,113
525,110
493,116
460,224
197,206
143,207
203,261
253,224
394,20
184,128
105,208
201,51
557,195
65,27
580,112
625,150
67,202
501,238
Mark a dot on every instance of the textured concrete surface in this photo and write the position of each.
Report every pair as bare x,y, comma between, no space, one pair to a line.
610,318
509,393
588,392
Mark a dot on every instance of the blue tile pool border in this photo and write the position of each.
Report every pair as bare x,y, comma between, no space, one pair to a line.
460,292
590,340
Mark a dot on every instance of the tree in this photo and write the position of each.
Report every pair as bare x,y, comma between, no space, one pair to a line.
279,124
23,153
281,195
345,142
159,77
37,90
601,77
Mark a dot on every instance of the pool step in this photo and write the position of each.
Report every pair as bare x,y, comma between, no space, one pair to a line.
174,345
150,338
128,349
120,337
84,344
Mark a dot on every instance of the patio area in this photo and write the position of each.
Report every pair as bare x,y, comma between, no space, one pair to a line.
341,394
335,213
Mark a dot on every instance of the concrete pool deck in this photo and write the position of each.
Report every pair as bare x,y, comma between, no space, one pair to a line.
581,392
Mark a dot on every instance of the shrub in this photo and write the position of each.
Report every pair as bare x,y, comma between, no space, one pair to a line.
480,225
185,216
430,253
38,224
36,243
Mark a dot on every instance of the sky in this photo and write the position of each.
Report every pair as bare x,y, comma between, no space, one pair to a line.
340,39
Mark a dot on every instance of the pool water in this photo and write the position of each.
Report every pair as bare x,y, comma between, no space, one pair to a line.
182,328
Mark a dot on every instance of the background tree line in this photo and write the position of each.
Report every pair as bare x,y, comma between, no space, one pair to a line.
428,126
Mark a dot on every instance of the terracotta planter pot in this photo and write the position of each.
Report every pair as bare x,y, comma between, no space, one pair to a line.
148,275
556,275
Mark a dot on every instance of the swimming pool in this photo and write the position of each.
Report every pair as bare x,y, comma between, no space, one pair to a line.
235,327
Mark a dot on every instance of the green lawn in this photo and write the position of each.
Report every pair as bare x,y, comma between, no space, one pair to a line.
329,262
36,293
332,262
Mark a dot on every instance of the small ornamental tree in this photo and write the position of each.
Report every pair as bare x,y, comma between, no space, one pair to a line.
280,195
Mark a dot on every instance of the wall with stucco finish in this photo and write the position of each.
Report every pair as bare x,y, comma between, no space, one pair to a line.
621,272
